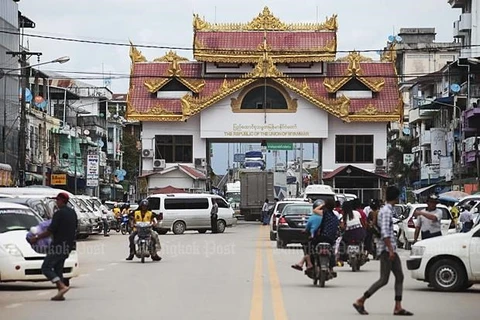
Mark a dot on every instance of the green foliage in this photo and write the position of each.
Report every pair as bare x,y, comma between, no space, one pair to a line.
130,155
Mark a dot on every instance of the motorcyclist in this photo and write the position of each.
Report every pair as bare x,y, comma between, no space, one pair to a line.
328,231
144,215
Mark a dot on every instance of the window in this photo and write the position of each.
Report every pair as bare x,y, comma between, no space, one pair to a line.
174,148
354,149
221,203
186,204
153,203
17,219
255,98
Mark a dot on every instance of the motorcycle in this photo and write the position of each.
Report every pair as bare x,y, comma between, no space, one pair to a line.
143,240
125,224
320,273
357,256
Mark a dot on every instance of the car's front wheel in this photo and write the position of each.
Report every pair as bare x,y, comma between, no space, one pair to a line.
447,275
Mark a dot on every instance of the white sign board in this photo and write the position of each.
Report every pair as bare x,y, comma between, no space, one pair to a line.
219,121
92,170
438,144
408,159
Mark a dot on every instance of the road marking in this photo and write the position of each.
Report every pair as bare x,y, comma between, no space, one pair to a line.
100,269
256,310
113,264
278,305
13,305
43,293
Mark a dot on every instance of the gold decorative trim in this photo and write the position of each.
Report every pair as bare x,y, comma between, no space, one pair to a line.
264,21
370,109
226,55
374,118
389,54
354,71
174,71
170,56
136,55
236,103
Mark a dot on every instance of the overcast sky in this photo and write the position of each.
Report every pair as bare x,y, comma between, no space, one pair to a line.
363,24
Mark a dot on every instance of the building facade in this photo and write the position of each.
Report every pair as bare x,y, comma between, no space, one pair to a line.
466,28
261,81
9,89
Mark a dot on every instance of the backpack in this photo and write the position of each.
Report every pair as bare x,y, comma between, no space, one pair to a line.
329,226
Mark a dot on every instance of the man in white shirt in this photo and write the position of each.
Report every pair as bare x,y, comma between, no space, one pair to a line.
429,220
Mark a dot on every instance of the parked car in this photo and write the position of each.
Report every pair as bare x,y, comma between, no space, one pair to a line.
291,224
406,232
182,211
18,261
276,213
448,263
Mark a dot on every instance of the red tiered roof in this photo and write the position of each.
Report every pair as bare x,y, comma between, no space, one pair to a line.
277,41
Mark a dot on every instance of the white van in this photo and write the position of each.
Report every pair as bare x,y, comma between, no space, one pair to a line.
183,211
319,191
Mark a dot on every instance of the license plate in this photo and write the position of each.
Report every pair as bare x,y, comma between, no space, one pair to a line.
353,249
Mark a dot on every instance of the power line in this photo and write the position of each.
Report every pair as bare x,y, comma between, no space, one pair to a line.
163,47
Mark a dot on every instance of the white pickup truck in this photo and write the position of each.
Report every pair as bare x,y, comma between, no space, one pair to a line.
449,263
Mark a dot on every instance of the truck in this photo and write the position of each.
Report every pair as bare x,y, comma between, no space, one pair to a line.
255,187
232,194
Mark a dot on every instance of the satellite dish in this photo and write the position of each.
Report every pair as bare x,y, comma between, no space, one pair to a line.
86,132
398,39
455,88
391,38
100,143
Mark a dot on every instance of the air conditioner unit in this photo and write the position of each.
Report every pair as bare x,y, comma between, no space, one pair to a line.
159,164
200,162
380,163
147,153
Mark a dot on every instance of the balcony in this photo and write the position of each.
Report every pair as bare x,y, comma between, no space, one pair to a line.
425,138
456,30
465,22
93,123
457,3
472,113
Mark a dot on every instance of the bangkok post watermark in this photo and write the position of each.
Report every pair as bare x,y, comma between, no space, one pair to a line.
206,248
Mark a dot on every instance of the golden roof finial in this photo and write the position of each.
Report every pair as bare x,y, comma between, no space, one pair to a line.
135,54
389,54
170,56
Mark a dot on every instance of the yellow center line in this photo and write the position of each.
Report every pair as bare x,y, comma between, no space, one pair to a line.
278,305
256,311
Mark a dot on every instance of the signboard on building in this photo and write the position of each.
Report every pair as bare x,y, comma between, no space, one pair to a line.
92,170
408,159
438,144
220,123
58,179
279,146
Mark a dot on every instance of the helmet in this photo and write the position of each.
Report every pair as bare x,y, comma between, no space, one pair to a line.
317,203
144,202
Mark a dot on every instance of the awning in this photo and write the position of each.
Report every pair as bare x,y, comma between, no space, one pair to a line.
419,191
5,167
30,176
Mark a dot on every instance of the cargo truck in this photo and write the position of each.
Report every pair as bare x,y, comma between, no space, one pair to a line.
256,186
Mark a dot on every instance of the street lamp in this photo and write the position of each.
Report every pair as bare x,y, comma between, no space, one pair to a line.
22,138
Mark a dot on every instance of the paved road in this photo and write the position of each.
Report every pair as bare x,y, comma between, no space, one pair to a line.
236,275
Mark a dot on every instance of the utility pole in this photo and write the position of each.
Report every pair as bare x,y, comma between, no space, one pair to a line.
22,145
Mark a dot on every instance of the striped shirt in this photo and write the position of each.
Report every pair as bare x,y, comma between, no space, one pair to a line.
385,222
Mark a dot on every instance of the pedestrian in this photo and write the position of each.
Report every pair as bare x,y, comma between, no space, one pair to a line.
63,231
214,216
264,212
389,259
429,220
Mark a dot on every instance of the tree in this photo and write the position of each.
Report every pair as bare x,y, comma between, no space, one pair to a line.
395,158
131,155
